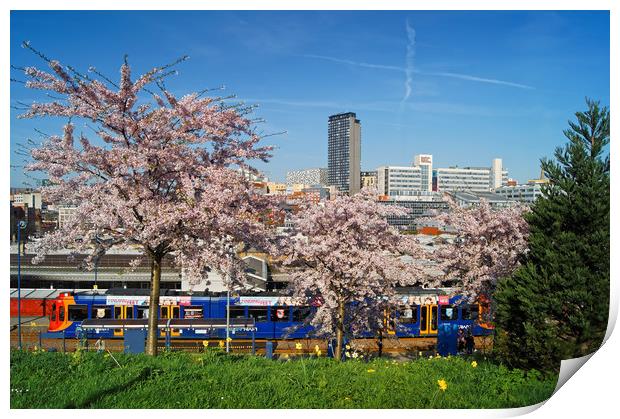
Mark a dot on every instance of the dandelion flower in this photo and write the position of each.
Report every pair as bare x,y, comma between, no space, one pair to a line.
474,364
316,348
370,370
347,354
221,343
229,339
318,353
442,385
347,346
298,346
205,343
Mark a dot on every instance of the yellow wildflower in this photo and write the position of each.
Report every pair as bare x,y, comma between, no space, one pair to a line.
221,343
442,385
474,364
318,353
370,370
347,346
205,343
229,339
316,348
298,346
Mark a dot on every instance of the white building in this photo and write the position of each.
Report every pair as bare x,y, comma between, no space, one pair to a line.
314,176
65,212
425,163
472,179
523,193
31,199
394,181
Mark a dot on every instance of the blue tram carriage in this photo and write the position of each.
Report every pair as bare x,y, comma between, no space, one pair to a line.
275,317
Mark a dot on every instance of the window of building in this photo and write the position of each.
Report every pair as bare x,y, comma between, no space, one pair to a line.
101,312
259,314
448,313
77,312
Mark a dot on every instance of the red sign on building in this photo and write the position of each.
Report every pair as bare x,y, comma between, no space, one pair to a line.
444,299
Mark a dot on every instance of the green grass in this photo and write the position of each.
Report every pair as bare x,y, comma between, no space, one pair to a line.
215,380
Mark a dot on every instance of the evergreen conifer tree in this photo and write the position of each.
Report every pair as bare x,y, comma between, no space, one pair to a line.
555,306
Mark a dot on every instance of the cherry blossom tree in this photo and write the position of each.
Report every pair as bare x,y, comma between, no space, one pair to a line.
157,171
346,256
488,245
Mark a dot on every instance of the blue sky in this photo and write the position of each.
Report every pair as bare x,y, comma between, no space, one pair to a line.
465,87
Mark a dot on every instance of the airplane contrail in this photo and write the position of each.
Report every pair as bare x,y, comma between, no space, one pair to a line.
409,60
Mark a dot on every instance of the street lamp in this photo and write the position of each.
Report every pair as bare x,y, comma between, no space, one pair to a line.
21,225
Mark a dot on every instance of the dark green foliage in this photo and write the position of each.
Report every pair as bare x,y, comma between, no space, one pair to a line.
215,380
556,305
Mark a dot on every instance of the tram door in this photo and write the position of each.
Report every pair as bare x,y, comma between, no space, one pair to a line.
428,319
122,313
169,312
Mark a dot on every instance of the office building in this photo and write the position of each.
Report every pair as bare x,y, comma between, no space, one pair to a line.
368,179
425,163
401,181
344,152
472,179
417,208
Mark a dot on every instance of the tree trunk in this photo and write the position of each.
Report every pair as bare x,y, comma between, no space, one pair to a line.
153,332
339,331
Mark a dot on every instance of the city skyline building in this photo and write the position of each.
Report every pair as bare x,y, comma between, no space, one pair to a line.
425,163
393,181
472,179
368,179
344,152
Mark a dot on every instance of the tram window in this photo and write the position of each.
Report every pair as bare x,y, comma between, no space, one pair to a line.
279,314
117,312
408,314
53,316
259,314
129,312
78,312
193,312
300,314
175,312
448,313
469,312
61,315
236,312
101,312
142,312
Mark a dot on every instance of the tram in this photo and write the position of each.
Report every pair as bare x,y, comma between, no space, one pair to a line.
420,313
